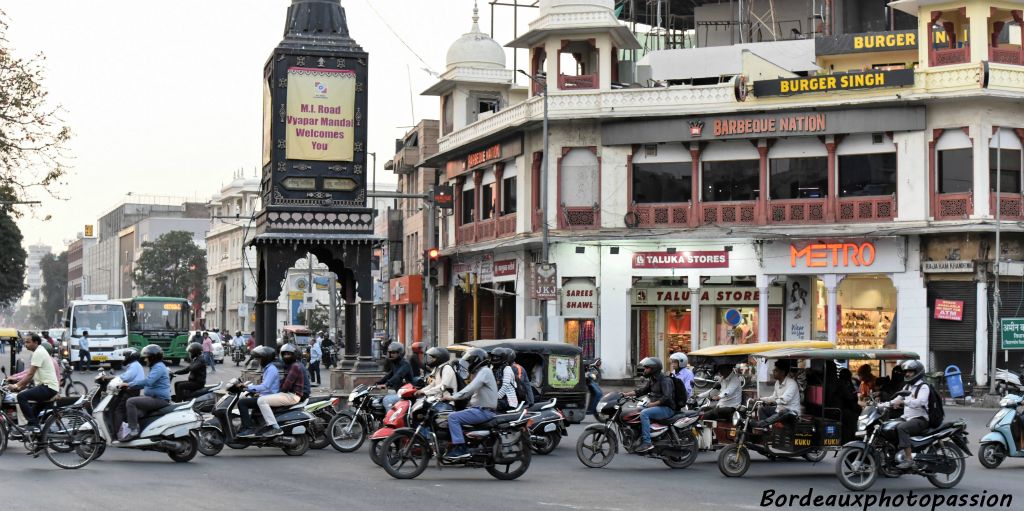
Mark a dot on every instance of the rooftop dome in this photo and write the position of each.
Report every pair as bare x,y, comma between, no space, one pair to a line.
476,49
553,6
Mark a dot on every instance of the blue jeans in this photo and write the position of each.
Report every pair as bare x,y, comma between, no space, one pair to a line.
652,413
595,396
468,416
209,361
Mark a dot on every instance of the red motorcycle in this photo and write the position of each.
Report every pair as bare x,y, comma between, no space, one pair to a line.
396,417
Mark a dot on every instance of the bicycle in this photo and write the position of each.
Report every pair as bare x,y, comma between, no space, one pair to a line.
69,386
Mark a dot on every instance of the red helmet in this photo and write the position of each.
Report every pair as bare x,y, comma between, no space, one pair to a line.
417,348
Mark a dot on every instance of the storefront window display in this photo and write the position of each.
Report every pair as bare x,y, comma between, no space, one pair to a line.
866,310
739,325
582,333
678,330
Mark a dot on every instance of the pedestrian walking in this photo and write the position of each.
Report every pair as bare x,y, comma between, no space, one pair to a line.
83,351
315,356
208,351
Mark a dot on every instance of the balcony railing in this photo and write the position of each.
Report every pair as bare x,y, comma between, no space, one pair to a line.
954,206
566,82
866,209
466,234
951,56
1005,56
506,225
585,217
662,215
797,211
1011,206
744,212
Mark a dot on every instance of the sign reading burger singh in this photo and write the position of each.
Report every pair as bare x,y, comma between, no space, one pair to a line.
840,256
689,259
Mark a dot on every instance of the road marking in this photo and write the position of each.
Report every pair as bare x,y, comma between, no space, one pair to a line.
572,506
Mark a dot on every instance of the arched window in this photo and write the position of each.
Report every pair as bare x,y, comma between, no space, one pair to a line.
798,169
1004,161
730,171
662,175
955,159
867,165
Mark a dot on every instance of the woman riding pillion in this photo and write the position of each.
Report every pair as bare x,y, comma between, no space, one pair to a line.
156,393
442,381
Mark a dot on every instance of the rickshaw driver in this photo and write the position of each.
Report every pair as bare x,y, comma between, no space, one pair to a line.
786,398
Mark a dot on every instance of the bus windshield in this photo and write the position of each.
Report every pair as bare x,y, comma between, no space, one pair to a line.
98,319
169,316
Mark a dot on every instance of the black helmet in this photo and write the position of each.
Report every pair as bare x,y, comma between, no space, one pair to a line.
497,356
437,356
194,350
510,356
396,347
130,355
473,358
651,363
265,354
152,354
291,351
913,370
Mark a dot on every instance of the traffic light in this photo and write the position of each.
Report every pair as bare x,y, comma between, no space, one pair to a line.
432,255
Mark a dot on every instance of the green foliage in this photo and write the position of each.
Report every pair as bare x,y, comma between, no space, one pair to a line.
33,138
12,254
55,286
319,320
172,265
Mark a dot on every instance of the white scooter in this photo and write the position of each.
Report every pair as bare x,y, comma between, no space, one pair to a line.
1009,382
172,429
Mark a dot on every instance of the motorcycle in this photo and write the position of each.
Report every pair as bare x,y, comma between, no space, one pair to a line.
172,429
223,428
348,429
500,445
1009,382
674,439
323,409
397,417
547,426
938,452
238,355
1004,439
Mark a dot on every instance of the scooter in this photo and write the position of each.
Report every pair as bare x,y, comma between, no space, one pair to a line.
1007,435
223,428
171,429
1009,382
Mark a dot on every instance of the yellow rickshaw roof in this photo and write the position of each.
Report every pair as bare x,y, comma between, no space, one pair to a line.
750,349
6,333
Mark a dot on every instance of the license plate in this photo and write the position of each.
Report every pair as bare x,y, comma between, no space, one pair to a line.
99,358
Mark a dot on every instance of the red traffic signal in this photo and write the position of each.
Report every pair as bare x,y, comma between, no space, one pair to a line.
433,254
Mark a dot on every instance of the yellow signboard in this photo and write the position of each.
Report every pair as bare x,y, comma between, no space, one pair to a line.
295,295
88,230
320,114
172,306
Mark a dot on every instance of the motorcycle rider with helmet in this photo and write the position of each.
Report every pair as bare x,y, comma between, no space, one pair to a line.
483,394
156,392
416,360
730,394
133,379
503,372
196,371
270,384
915,409
289,393
442,381
399,373
660,390
681,370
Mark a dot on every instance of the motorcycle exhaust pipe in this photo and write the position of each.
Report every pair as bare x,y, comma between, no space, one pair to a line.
171,445
287,441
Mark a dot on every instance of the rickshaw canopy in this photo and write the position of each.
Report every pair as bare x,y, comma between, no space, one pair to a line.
839,354
7,334
735,353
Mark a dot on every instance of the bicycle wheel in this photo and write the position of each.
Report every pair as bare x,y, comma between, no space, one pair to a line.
76,389
3,438
71,439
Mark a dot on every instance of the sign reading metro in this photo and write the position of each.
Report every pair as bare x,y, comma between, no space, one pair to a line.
843,256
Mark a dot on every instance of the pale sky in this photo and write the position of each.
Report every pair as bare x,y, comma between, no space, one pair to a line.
164,98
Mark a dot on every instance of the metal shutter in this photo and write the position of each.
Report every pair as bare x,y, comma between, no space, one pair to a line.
944,335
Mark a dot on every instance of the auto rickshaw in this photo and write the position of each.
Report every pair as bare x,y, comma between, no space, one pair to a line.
555,368
299,334
9,337
819,428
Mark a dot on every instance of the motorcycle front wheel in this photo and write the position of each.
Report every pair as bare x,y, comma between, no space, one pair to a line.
404,455
856,468
734,461
211,441
595,448
991,455
510,471
346,432
954,454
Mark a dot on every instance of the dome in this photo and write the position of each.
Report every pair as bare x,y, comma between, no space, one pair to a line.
553,6
476,49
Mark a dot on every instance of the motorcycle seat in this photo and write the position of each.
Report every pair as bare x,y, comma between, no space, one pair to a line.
498,419
173,407
281,409
538,406
680,415
318,399
932,431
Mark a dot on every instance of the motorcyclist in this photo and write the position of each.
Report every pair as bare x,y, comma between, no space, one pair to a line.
784,401
196,371
483,394
915,410
594,386
522,379
271,384
289,393
399,373
660,403
156,393
442,381
133,379
416,360
681,370
505,378
729,396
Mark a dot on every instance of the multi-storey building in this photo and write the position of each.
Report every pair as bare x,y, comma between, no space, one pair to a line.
33,271
751,181
76,265
230,263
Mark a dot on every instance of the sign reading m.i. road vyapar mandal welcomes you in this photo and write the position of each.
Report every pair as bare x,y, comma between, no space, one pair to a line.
320,121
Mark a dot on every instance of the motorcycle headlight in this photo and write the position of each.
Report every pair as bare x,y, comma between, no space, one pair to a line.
736,417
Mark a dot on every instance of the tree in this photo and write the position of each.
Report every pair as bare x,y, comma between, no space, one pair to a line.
174,266
55,285
12,254
32,136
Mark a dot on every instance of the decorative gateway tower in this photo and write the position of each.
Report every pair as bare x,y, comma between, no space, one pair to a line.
313,187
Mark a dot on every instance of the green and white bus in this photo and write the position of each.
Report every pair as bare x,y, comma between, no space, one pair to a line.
159,320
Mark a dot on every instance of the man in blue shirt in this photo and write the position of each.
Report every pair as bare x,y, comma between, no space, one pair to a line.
270,384
83,352
156,391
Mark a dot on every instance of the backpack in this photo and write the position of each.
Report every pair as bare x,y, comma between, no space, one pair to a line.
678,393
523,385
936,415
460,383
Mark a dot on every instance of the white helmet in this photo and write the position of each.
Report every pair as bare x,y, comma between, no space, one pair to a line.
679,357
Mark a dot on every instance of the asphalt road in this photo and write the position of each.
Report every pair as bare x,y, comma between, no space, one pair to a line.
268,479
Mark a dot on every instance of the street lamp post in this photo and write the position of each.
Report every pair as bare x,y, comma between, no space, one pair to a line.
545,239
996,328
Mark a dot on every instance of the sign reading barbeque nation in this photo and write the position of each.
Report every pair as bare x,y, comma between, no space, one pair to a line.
867,42
482,157
834,82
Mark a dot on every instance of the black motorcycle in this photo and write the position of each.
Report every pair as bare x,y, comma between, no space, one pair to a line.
674,439
223,428
547,426
349,429
501,445
938,452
